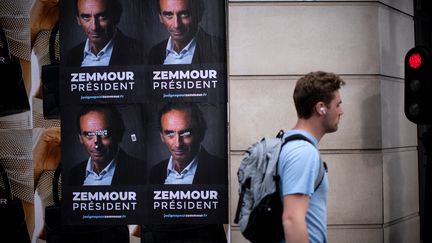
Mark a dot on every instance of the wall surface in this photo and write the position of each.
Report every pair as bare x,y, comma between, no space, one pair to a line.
372,158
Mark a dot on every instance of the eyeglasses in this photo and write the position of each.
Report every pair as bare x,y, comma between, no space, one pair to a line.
184,133
99,133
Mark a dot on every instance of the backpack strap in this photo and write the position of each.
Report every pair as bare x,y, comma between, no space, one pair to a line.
321,173
323,165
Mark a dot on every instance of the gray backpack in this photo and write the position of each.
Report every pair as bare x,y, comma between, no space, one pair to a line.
259,208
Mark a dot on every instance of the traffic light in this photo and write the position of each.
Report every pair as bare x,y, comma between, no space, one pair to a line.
418,85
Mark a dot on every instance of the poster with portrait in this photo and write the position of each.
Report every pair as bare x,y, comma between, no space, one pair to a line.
103,163
127,67
188,172
124,57
103,51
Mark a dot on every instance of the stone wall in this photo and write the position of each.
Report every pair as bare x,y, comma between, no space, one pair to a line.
372,159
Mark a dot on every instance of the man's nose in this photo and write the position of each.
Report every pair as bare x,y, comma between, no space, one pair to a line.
97,141
178,140
94,25
177,21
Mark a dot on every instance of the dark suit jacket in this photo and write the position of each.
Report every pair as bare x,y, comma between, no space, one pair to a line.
209,49
210,170
129,171
126,51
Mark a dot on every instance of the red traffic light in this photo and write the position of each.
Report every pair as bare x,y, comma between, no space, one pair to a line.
418,85
415,60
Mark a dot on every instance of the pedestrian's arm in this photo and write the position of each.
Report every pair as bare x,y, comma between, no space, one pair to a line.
294,218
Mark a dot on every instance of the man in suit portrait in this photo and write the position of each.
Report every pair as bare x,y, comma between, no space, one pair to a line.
105,44
188,43
182,129
100,129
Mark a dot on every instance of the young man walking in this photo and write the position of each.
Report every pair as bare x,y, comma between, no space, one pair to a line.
318,104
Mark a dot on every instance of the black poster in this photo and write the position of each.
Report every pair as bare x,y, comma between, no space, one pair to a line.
144,112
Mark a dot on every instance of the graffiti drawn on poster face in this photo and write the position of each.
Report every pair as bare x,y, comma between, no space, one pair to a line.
103,157
188,169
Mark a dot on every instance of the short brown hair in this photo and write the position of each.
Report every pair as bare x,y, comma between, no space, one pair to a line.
313,88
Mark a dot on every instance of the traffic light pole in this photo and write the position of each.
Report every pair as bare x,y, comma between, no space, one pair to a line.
423,33
425,180
417,102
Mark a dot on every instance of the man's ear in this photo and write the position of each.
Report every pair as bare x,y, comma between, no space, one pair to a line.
160,18
80,139
320,108
78,20
161,136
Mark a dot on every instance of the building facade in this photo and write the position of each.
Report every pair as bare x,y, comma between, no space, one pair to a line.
372,159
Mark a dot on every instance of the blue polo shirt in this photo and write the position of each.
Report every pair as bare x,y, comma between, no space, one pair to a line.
298,167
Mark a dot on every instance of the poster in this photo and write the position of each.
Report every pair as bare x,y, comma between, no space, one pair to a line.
144,112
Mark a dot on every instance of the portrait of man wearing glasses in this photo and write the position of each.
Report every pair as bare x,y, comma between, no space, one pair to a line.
100,130
182,129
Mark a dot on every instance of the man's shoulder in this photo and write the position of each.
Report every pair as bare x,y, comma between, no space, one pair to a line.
124,39
298,149
158,49
204,35
157,52
75,55
78,167
129,170
161,165
160,45
158,172
77,173
299,139
130,159
79,46
210,42
127,50
210,48
211,169
209,157
298,144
